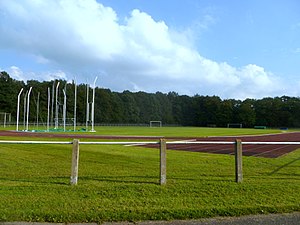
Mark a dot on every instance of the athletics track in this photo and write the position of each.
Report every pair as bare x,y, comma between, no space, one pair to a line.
261,150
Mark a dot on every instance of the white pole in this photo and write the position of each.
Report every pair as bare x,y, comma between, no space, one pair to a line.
93,105
75,103
37,111
64,109
28,103
24,116
52,102
18,109
48,110
87,107
4,124
56,106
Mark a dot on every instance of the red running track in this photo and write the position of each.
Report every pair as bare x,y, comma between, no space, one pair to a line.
258,150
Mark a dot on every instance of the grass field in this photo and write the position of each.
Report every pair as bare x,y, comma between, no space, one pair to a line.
119,183
167,131
180,131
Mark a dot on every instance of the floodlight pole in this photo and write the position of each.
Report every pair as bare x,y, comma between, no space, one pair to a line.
48,109
56,106
28,104
18,109
93,104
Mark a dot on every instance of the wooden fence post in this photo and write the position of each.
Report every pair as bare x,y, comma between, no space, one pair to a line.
163,162
75,161
238,161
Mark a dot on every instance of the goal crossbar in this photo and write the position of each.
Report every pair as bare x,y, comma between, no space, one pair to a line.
155,123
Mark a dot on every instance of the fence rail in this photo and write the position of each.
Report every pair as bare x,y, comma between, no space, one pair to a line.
162,146
151,142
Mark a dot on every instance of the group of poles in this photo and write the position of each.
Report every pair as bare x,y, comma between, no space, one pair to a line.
55,92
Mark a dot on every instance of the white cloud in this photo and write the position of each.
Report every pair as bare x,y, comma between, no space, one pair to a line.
17,73
81,37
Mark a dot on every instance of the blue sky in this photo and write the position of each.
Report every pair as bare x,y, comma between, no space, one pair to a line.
232,49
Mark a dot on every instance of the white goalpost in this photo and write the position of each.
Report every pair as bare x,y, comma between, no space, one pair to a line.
155,124
234,125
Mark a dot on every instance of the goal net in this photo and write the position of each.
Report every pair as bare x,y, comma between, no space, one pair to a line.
155,124
234,125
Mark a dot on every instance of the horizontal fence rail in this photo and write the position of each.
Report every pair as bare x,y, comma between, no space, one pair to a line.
37,142
162,146
148,142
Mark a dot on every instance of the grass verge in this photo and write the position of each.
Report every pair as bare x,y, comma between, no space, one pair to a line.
119,183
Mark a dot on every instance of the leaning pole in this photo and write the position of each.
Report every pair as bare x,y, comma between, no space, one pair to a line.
28,104
18,109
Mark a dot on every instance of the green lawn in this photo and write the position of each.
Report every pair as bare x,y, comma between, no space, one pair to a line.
166,131
119,183
180,131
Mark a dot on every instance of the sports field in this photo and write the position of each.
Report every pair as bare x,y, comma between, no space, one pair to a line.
121,183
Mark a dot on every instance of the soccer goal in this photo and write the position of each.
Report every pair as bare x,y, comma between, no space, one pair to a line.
155,124
234,125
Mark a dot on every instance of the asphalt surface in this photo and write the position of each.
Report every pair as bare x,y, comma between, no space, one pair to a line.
271,219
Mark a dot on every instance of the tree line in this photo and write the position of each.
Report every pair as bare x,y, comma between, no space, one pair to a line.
141,107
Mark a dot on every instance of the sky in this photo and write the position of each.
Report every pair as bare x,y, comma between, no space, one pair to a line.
231,49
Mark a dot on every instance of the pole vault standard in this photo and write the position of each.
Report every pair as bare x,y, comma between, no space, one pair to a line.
18,109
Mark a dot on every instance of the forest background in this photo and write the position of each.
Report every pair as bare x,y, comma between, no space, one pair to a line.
140,107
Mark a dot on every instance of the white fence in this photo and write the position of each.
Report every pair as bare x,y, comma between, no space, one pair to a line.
162,146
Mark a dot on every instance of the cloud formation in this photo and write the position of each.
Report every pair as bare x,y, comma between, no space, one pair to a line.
76,38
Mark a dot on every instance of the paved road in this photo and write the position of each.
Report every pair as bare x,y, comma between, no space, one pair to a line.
272,219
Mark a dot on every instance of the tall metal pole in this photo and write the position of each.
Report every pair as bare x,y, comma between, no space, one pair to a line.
64,109
75,103
87,106
56,106
48,110
18,109
4,124
93,105
52,102
24,120
37,111
28,103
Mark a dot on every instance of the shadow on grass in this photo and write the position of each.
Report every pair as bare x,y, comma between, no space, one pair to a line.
283,166
214,178
122,179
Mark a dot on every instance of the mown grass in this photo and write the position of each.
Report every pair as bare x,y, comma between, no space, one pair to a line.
119,183
180,131
166,131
